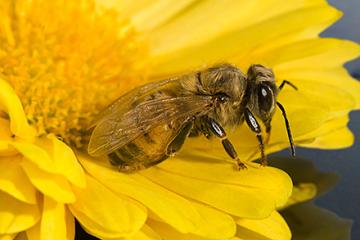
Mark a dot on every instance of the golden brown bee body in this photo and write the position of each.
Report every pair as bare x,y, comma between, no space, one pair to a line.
151,123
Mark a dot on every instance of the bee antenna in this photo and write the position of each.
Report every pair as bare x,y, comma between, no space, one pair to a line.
291,141
288,83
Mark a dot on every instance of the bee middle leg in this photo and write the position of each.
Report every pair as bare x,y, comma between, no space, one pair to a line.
268,133
179,140
219,132
255,127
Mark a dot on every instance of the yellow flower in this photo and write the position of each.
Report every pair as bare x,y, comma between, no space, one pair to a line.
62,62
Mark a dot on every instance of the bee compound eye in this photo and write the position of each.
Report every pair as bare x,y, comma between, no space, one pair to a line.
265,98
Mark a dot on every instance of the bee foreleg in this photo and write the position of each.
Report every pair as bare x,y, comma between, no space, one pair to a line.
229,148
255,127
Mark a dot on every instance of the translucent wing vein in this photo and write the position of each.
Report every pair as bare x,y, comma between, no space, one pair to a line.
113,131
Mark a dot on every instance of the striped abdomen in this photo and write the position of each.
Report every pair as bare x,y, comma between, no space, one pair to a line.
146,150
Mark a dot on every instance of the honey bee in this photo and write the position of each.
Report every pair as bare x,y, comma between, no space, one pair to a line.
150,123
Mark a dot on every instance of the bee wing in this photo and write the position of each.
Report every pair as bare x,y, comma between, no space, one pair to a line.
114,131
125,102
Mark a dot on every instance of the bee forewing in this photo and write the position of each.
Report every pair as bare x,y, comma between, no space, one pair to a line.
124,103
115,130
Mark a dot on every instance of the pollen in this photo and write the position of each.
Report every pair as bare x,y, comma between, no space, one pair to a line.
67,60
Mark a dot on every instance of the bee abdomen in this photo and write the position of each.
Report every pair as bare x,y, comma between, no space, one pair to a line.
145,149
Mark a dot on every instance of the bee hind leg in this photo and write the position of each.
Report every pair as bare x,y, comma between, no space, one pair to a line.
229,148
124,166
131,167
115,160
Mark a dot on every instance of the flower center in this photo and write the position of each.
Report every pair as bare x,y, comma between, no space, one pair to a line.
66,61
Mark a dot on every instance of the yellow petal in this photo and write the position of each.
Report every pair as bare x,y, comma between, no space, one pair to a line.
14,181
170,55
163,39
145,233
56,223
37,154
10,103
66,162
105,214
155,13
168,206
216,224
339,138
5,138
338,77
52,185
332,134
313,118
336,95
334,100
53,156
7,237
272,228
16,216
308,54
302,192
251,193
168,233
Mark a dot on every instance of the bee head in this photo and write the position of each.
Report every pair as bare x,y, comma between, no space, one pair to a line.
262,92
227,84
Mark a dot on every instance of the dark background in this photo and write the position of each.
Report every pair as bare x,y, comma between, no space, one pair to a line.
344,198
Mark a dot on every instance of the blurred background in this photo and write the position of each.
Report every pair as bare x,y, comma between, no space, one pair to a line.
344,198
